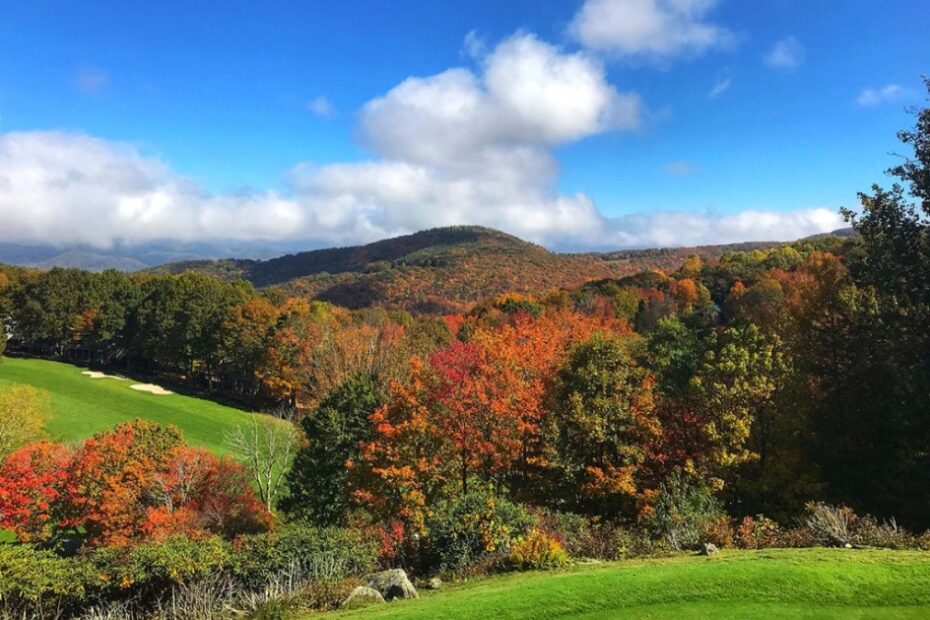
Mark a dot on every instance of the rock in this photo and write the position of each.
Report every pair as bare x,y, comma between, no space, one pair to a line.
848,546
392,584
434,584
708,549
362,596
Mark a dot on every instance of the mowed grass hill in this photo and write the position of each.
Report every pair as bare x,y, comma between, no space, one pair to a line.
443,269
82,406
774,583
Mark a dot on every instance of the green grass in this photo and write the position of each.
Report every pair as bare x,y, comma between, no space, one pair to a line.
82,406
781,583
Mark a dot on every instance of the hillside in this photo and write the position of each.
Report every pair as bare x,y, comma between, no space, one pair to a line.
82,406
775,583
440,269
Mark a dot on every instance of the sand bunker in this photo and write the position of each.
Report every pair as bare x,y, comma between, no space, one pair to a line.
151,388
93,374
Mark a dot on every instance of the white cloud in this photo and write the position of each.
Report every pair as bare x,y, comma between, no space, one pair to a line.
721,86
68,189
680,228
91,81
656,29
786,54
679,168
474,45
322,107
871,97
459,147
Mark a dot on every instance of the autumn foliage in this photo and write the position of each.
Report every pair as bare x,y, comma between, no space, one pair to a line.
134,482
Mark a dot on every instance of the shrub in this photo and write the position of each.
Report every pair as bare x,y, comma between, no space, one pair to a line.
680,509
276,601
717,530
304,551
39,584
201,599
537,550
869,532
152,568
796,537
758,532
464,529
573,531
829,524
328,594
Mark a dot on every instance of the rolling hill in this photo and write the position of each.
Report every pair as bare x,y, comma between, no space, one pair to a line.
439,270
82,406
774,583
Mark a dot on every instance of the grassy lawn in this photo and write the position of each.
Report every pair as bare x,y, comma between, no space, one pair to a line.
781,583
82,406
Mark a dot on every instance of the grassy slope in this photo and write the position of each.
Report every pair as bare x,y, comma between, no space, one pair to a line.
83,406
783,583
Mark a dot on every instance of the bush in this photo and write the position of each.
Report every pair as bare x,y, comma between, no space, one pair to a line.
606,540
796,538
276,601
681,509
829,525
328,594
201,599
462,531
573,531
39,584
869,532
304,551
153,568
758,532
537,551
717,530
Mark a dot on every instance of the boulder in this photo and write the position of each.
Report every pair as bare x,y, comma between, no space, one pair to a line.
392,584
362,596
434,584
708,549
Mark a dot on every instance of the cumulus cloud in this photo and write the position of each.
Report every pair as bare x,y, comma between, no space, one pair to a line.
871,97
657,29
787,54
465,146
322,107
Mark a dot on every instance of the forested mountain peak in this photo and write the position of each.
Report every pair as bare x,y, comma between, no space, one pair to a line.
355,258
441,269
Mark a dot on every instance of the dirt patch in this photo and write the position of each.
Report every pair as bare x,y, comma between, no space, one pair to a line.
151,388
93,374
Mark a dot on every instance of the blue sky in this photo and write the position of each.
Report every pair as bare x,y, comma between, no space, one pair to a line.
206,106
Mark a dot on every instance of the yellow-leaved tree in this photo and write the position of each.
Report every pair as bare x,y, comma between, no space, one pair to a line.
24,412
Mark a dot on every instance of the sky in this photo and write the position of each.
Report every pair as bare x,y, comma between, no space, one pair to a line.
586,124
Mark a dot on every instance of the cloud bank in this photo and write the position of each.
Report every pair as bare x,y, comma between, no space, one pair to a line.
465,146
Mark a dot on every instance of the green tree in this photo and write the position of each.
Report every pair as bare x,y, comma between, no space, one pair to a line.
318,479
24,412
734,389
602,425
879,461
180,320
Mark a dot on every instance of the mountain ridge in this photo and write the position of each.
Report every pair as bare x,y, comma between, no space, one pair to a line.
442,269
